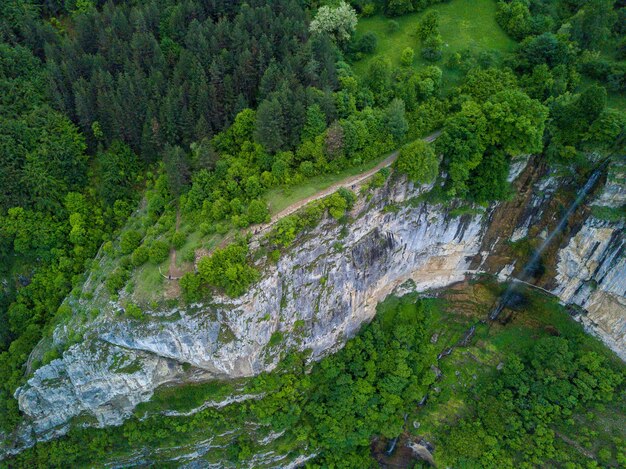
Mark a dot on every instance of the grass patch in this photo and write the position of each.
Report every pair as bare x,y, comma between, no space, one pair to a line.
612,214
187,251
463,24
187,397
149,282
282,197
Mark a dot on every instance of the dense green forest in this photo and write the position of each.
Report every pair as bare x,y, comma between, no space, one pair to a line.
512,416
152,110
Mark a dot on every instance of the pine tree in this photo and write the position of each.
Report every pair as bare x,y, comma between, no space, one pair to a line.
269,127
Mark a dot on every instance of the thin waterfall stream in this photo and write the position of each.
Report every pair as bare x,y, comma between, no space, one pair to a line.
507,296
532,263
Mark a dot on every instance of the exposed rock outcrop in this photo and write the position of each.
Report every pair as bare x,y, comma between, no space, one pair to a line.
315,297
591,270
318,294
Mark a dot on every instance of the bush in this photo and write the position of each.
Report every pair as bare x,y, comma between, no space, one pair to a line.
140,256
159,251
133,311
337,206
190,284
228,269
419,162
258,212
432,50
221,228
393,26
275,339
178,239
366,44
116,280
408,55
129,241
274,256
368,10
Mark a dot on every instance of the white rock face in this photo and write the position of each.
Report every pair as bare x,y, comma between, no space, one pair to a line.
93,377
316,296
591,271
592,274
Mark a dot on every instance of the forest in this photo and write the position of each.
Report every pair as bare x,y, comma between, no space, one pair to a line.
198,110
514,415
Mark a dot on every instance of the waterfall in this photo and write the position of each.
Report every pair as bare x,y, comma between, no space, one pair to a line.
530,265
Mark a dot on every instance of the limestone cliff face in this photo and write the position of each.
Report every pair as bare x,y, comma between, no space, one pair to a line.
591,270
318,294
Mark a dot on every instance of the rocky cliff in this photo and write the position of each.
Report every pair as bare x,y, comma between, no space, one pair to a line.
319,293
591,270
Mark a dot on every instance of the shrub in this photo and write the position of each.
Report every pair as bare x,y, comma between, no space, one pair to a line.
190,284
258,212
367,43
133,311
228,269
178,239
337,206
368,10
158,251
408,55
275,339
432,49
129,241
274,256
116,280
140,256
393,26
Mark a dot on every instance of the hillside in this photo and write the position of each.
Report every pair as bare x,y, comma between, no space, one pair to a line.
376,233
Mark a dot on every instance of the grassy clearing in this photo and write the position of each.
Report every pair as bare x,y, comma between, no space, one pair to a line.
149,282
462,23
282,197
187,250
186,398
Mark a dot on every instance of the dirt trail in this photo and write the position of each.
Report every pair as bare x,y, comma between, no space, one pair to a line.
349,183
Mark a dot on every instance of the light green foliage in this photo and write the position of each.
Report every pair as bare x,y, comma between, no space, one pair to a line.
133,311
515,122
190,284
339,22
337,206
129,241
140,256
515,18
419,162
158,251
258,212
408,55
482,84
116,280
228,269
178,239
428,26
